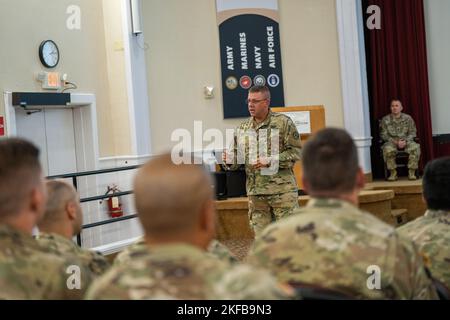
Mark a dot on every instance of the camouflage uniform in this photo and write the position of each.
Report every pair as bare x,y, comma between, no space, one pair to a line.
391,130
272,195
180,271
431,233
215,249
64,247
331,243
27,271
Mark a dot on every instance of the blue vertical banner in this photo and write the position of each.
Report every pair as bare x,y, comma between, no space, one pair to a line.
250,52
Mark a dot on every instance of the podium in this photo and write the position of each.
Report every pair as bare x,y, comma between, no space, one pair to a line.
310,120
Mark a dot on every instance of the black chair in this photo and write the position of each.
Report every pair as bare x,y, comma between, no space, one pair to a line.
401,159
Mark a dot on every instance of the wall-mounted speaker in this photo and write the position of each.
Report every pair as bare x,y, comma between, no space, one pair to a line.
136,16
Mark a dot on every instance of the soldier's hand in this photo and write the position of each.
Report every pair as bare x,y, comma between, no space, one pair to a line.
263,162
226,157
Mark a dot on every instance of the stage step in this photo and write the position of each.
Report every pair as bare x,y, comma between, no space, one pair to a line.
400,216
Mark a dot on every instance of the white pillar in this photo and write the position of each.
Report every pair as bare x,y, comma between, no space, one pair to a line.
138,101
354,77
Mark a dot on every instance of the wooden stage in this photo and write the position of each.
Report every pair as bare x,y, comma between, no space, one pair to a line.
393,202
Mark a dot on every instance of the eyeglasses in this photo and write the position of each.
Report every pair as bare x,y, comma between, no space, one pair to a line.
247,101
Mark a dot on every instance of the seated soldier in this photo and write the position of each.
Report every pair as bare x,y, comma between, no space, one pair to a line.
432,231
176,208
398,131
331,243
27,271
62,221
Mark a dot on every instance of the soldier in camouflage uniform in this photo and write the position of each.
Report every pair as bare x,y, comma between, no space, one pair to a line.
176,208
431,233
62,220
271,185
215,249
27,271
331,243
398,131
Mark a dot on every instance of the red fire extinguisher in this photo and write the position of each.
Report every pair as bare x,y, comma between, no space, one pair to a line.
114,205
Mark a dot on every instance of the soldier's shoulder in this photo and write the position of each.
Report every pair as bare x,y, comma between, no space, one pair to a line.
407,117
413,225
284,228
57,244
96,262
109,285
426,229
279,115
245,123
325,221
220,251
281,118
42,275
133,251
386,118
247,282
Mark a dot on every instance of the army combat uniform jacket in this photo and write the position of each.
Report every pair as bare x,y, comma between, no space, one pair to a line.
282,178
332,244
61,246
180,271
431,233
29,272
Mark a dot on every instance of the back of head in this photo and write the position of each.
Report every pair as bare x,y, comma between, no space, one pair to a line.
330,162
20,173
59,195
169,198
436,184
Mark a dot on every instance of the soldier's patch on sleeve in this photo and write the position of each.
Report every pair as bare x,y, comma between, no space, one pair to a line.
296,135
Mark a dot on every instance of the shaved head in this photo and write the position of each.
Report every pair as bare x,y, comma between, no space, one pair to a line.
60,195
170,198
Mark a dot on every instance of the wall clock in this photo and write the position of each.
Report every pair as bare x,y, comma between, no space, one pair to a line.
49,53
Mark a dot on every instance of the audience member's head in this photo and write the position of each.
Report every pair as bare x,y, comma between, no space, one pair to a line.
175,202
436,184
22,190
330,165
63,214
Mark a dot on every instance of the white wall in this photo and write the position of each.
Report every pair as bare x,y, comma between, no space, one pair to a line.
115,63
93,57
437,18
25,23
